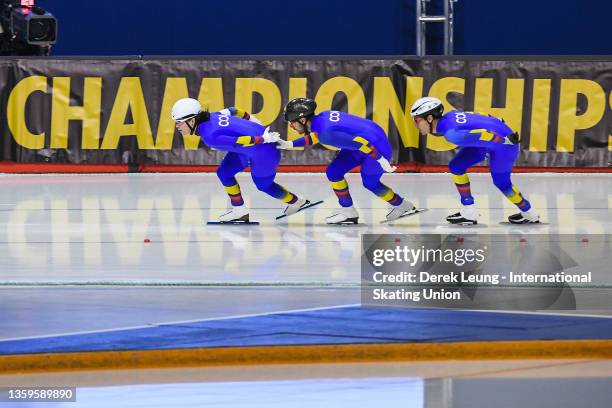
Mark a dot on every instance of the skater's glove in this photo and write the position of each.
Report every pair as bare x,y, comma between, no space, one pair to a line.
252,118
229,112
284,144
512,139
270,137
386,166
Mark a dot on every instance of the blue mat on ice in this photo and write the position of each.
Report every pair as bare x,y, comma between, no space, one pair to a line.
332,326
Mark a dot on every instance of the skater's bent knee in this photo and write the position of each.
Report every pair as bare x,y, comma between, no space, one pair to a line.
263,184
502,181
457,168
372,185
223,175
334,174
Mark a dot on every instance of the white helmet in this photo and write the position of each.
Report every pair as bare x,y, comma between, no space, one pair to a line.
185,109
427,106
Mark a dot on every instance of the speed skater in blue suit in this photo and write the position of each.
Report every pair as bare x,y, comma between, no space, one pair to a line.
477,136
246,142
361,143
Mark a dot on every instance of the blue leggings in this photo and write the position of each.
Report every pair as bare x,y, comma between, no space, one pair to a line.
263,171
500,163
371,173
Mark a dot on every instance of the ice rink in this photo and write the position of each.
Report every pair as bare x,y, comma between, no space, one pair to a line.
92,228
90,253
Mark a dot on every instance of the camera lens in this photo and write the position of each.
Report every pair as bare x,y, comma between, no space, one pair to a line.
42,29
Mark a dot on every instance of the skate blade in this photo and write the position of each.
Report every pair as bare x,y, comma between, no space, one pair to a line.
232,223
407,214
349,221
527,223
244,220
301,209
464,223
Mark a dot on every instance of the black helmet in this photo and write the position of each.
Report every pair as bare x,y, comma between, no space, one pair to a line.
299,108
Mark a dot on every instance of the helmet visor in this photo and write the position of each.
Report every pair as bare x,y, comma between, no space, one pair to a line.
184,118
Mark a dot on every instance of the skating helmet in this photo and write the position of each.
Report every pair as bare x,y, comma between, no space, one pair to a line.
427,106
185,109
299,108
